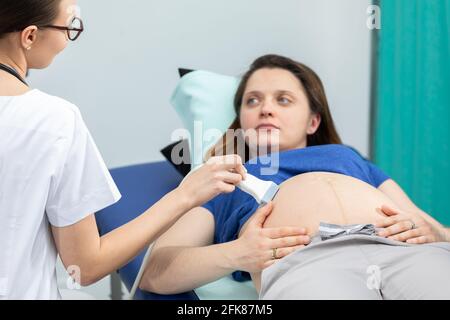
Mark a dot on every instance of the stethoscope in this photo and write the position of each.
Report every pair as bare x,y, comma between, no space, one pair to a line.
12,72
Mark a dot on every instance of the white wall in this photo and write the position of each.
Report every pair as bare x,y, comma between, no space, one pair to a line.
123,69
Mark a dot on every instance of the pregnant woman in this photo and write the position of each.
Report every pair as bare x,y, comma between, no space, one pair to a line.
360,234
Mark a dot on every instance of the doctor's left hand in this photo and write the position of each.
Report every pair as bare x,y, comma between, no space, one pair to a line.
402,227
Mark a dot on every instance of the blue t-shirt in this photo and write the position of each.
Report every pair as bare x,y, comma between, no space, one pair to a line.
232,210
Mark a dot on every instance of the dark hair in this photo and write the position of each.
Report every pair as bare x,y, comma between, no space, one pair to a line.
315,92
16,15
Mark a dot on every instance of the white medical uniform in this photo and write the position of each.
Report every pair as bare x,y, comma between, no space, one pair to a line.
50,173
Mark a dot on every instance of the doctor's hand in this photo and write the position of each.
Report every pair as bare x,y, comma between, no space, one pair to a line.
401,227
258,247
218,175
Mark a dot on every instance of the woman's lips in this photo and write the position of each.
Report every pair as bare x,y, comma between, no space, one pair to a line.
267,127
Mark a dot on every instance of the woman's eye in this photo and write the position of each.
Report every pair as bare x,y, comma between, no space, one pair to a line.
284,100
252,101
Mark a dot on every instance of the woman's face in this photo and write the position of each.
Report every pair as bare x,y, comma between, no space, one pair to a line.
276,106
50,42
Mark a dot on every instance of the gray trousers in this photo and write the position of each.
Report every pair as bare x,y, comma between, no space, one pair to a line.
360,267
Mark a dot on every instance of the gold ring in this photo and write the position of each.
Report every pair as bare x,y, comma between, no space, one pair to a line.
274,253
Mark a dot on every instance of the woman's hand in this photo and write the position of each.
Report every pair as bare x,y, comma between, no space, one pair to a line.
258,247
218,175
401,227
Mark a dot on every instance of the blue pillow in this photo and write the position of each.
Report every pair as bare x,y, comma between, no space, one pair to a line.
204,102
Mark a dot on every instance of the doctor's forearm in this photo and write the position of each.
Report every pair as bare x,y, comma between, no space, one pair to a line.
121,245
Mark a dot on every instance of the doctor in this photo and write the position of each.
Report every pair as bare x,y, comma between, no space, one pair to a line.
52,177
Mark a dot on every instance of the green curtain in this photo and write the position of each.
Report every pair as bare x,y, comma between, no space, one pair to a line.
412,113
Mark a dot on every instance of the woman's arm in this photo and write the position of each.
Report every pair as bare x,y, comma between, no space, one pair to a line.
81,245
184,257
396,194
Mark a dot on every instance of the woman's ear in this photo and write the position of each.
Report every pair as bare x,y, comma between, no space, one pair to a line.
28,37
314,123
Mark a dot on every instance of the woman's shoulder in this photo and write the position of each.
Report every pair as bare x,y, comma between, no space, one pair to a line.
48,113
52,103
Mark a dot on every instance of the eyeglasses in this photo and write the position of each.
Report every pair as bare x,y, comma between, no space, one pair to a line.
73,31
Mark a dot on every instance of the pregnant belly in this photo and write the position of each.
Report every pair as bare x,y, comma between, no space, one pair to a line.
308,199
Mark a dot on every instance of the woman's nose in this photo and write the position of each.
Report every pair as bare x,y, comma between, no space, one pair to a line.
266,109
